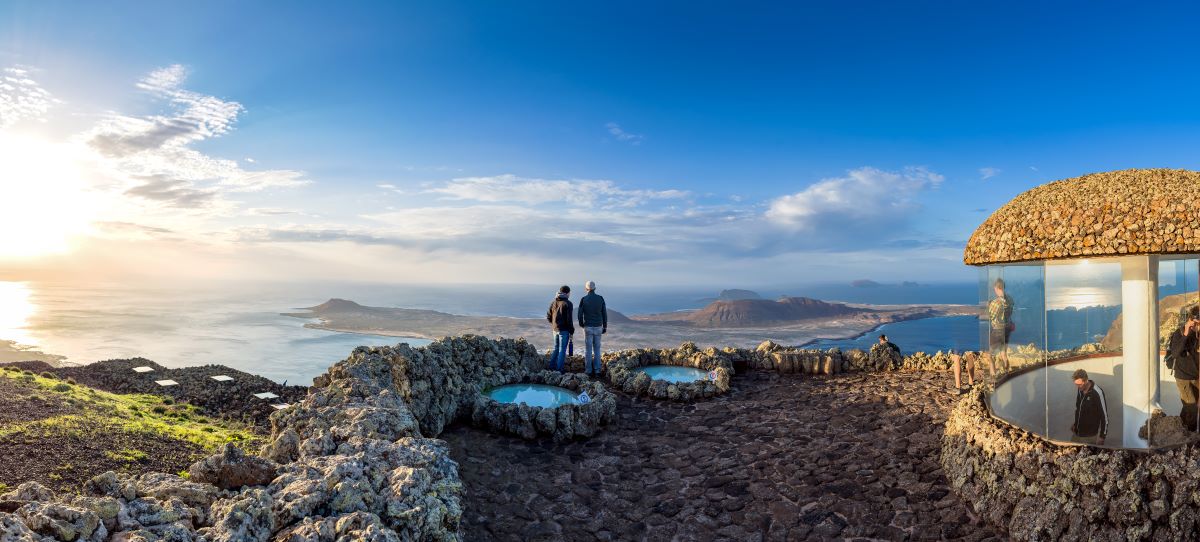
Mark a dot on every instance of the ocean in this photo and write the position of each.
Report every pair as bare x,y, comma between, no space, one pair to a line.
958,333
240,324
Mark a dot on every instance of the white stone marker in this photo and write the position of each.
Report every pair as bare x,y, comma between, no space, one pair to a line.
143,369
221,378
266,395
280,406
165,383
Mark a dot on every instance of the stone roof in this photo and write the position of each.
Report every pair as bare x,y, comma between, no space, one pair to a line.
1117,213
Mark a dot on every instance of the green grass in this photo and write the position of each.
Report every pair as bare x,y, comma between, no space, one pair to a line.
134,413
127,455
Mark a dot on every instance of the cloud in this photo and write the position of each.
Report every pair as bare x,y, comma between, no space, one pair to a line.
154,155
865,199
575,192
22,98
391,188
172,192
622,135
986,173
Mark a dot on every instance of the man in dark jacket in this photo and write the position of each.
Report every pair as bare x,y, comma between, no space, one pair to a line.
1091,411
559,315
1182,357
593,318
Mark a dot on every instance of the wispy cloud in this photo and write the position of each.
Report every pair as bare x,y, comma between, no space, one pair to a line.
865,198
154,152
986,173
21,97
576,192
622,135
173,192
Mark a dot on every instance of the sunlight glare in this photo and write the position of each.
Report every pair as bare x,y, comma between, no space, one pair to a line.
43,203
16,309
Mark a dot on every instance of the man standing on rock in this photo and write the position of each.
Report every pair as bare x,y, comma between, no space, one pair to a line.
593,318
1182,357
1000,311
559,316
1091,411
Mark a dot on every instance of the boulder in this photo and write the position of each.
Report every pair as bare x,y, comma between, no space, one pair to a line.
233,469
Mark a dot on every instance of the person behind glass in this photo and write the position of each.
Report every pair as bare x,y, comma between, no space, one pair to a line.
1091,411
560,316
1182,356
1000,311
593,318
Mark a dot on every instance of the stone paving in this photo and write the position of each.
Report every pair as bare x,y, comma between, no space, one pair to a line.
781,457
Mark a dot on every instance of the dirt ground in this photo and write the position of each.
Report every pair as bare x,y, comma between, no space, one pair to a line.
778,458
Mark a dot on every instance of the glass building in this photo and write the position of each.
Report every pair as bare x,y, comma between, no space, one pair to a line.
1091,273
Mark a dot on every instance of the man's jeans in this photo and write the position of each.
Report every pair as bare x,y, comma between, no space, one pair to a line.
591,353
559,357
1188,395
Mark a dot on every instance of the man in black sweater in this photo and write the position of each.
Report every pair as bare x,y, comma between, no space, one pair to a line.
1091,411
1182,357
560,316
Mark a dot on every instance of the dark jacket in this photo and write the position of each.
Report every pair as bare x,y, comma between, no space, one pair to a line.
1185,354
1091,412
559,314
592,312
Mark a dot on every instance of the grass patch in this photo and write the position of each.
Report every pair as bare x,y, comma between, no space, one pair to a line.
134,413
128,455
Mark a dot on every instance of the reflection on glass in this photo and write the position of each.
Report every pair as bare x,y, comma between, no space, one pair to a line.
1177,421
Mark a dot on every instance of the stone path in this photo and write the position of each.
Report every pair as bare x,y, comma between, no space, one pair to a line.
778,458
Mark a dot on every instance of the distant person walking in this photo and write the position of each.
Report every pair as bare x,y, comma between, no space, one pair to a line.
1000,310
1091,411
593,318
1183,352
559,315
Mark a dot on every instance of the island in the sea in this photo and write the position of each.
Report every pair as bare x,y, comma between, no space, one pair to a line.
737,322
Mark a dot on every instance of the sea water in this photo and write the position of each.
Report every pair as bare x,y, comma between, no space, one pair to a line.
537,395
958,333
673,374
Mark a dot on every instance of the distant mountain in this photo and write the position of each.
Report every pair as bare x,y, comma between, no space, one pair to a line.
865,283
337,305
759,312
732,294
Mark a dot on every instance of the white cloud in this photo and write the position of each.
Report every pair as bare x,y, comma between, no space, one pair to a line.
22,98
158,147
865,196
986,173
575,192
622,135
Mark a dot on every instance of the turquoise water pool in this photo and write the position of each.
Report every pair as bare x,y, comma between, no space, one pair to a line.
673,374
534,395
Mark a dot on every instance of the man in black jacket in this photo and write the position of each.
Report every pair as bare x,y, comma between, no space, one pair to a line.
1182,357
1091,411
593,318
559,315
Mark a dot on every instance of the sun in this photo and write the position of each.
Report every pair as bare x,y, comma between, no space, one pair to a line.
44,202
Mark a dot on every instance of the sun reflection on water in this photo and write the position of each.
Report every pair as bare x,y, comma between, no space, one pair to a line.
16,308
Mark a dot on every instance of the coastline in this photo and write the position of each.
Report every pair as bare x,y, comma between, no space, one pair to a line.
877,328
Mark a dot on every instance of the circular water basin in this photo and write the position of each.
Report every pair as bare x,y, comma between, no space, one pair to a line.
534,395
673,374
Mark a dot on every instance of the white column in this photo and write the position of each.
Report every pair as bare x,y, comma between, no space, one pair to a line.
1139,338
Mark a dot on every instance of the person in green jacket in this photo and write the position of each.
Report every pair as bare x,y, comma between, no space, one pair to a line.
593,318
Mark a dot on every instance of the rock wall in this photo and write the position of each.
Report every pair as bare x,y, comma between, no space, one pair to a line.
621,370
562,422
351,461
1037,490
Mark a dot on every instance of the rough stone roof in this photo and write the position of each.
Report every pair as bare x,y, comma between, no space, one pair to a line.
1134,211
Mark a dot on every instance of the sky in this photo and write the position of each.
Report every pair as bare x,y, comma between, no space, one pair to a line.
697,143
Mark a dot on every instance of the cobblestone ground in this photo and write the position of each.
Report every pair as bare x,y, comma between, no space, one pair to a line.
778,458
